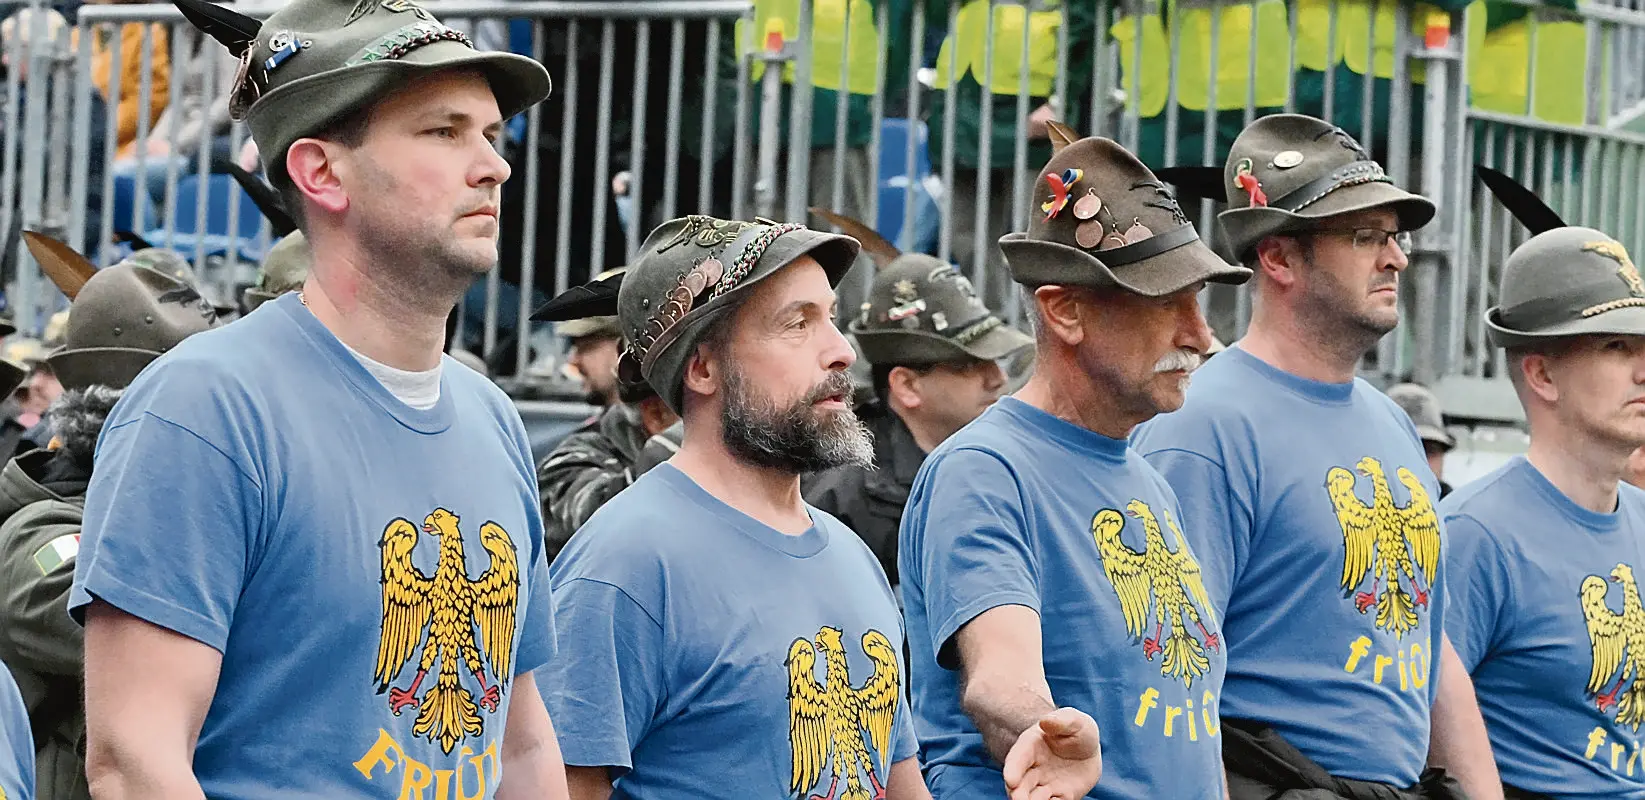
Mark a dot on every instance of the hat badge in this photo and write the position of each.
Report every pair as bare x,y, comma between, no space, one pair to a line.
1247,180
1625,269
1287,159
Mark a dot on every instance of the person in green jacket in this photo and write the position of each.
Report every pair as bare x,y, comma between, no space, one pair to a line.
965,81
128,314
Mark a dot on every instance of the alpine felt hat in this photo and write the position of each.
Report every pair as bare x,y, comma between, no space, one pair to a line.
1101,219
314,62
691,269
1287,172
921,310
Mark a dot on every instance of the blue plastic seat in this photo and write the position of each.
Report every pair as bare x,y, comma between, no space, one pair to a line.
221,194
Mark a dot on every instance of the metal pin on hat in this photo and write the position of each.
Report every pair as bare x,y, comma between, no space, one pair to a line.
1088,206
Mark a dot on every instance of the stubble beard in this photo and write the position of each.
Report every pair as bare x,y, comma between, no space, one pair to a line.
797,439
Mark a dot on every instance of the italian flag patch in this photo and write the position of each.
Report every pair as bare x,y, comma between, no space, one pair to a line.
56,553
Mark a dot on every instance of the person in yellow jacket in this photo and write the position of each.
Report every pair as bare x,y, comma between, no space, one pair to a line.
129,39
965,80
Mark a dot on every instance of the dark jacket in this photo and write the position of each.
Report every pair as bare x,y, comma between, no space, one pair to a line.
870,500
1261,765
589,467
42,500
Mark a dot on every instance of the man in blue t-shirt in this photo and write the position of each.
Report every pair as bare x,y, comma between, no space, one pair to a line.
312,560
16,743
1043,561
719,636
1308,495
1545,611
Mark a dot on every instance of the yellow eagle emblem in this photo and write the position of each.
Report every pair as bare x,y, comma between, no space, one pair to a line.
452,608
827,721
1160,581
1618,642
1387,542
1627,271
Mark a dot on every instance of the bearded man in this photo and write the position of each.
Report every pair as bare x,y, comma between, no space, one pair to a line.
719,633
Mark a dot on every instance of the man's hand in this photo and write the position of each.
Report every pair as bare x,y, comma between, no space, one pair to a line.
1060,758
1037,123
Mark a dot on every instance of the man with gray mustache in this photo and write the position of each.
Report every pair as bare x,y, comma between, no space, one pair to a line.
1048,590
1308,496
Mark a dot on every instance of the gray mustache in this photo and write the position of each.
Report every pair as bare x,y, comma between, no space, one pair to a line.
1179,359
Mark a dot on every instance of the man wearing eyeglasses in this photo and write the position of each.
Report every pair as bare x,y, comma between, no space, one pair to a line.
1308,497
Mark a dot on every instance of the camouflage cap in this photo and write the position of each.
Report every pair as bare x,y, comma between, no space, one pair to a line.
922,311
1423,408
124,317
1106,221
314,62
1567,282
284,269
691,269
1285,172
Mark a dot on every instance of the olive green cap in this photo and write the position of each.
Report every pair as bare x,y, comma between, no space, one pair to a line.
922,311
124,317
1102,219
1286,172
284,269
314,62
1567,282
691,269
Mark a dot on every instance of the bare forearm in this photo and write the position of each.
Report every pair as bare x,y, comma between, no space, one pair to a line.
1458,742
588,783
128,771
1002,713
533,772
906,782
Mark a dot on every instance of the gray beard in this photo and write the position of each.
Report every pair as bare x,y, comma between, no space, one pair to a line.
794,439
76,418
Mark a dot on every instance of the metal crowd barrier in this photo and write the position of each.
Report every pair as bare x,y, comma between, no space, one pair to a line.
922,123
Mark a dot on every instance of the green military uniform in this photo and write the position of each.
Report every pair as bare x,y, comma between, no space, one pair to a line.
117,325
976,92
920,312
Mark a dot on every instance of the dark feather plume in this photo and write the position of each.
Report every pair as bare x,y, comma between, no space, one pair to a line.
1195,183
1520,201
593,299
234,30
267,199
131,238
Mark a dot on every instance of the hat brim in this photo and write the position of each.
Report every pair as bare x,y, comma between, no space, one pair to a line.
592,326
1245,227
1163,274
1627,321
6,328
305,106
11,376
833,252
1429,433
922,347
115,367
252,298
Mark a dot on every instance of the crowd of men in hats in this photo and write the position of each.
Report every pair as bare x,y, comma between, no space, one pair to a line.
307,553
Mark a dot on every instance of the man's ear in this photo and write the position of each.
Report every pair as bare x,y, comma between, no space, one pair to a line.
1275,259
703,374
1064,313
901,383
318,168
1539,372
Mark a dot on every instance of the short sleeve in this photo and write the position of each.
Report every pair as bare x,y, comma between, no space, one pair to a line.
904,745
1216,515
538,639
604,686
170,521
975,549
1476,616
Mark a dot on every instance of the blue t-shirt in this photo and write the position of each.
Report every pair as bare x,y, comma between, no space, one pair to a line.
706,655
1544,612
1311,507
1023,508
16,742
373,574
